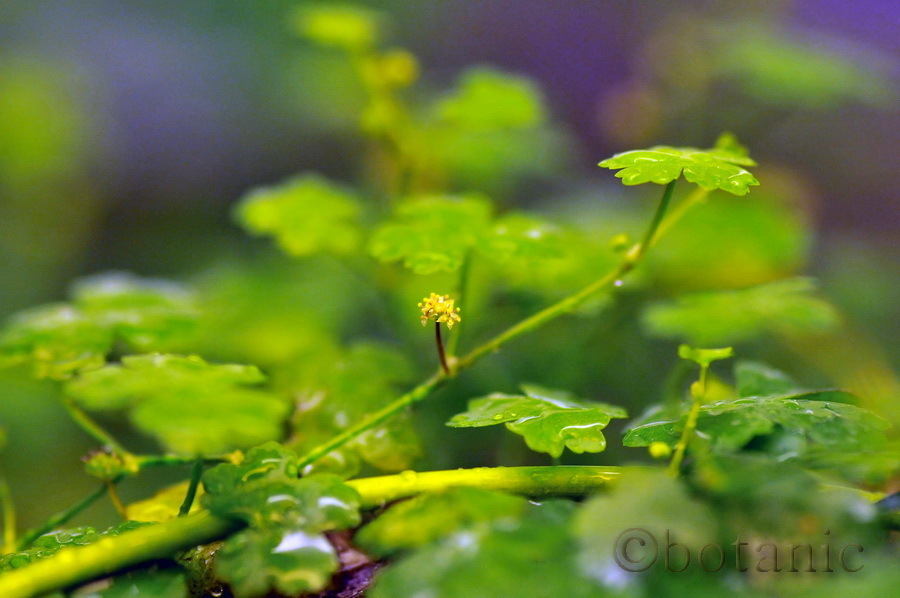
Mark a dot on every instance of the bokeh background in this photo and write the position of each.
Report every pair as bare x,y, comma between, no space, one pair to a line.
129,129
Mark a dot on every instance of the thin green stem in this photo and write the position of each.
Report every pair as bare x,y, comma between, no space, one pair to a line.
661,209
62,517
175,461
8,507
72,566
93,429
691,424
373,419
196,472
527,325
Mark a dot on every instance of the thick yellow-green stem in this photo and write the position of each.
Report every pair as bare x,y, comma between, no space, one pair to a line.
71,566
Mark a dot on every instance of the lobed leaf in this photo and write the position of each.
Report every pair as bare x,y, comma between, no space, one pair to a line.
432,233
190,406
58,340
306,215
728,317
814,417
284,547
519,236
427,518
720,167
256,561
150,582
549,420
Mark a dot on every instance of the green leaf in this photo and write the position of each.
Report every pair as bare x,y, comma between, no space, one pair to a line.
728,317
717,168
549,420
339,392
520,238
192,407
488,99
284,547
429,517
265,490
528,556
61,339
344,26
152,582
306,214
432,233
644,502
255,561
759,380
813,418
704,357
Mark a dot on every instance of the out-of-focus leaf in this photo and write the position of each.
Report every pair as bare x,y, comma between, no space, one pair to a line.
284,547
726,244
429,517
488,99
143,583
518,236
728,317
431,234
61,339
650,505
191,406
256,561
47,545
760,380
306,215
352,28
528,556
704,357
549,420
813,418
791,72
720,167
339,392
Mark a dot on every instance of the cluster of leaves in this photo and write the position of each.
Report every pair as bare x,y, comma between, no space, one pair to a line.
754,441
284,547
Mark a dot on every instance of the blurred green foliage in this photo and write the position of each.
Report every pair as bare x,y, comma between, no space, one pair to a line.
443,200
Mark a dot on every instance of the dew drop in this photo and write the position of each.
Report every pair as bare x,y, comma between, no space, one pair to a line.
618,283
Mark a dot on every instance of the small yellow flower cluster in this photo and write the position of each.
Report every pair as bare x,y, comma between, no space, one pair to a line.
440,309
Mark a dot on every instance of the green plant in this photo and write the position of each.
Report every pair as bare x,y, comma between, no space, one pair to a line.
275,449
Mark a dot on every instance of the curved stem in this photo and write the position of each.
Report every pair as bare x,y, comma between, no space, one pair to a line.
373,419
530,323
93,429
690,424
196,472
63,516
71,566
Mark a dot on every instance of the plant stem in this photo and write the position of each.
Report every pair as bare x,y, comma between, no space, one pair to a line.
530,323
691,424
71,566
647,241
373,419
537,482
60,518
440,348
94,429
9,517
196,472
